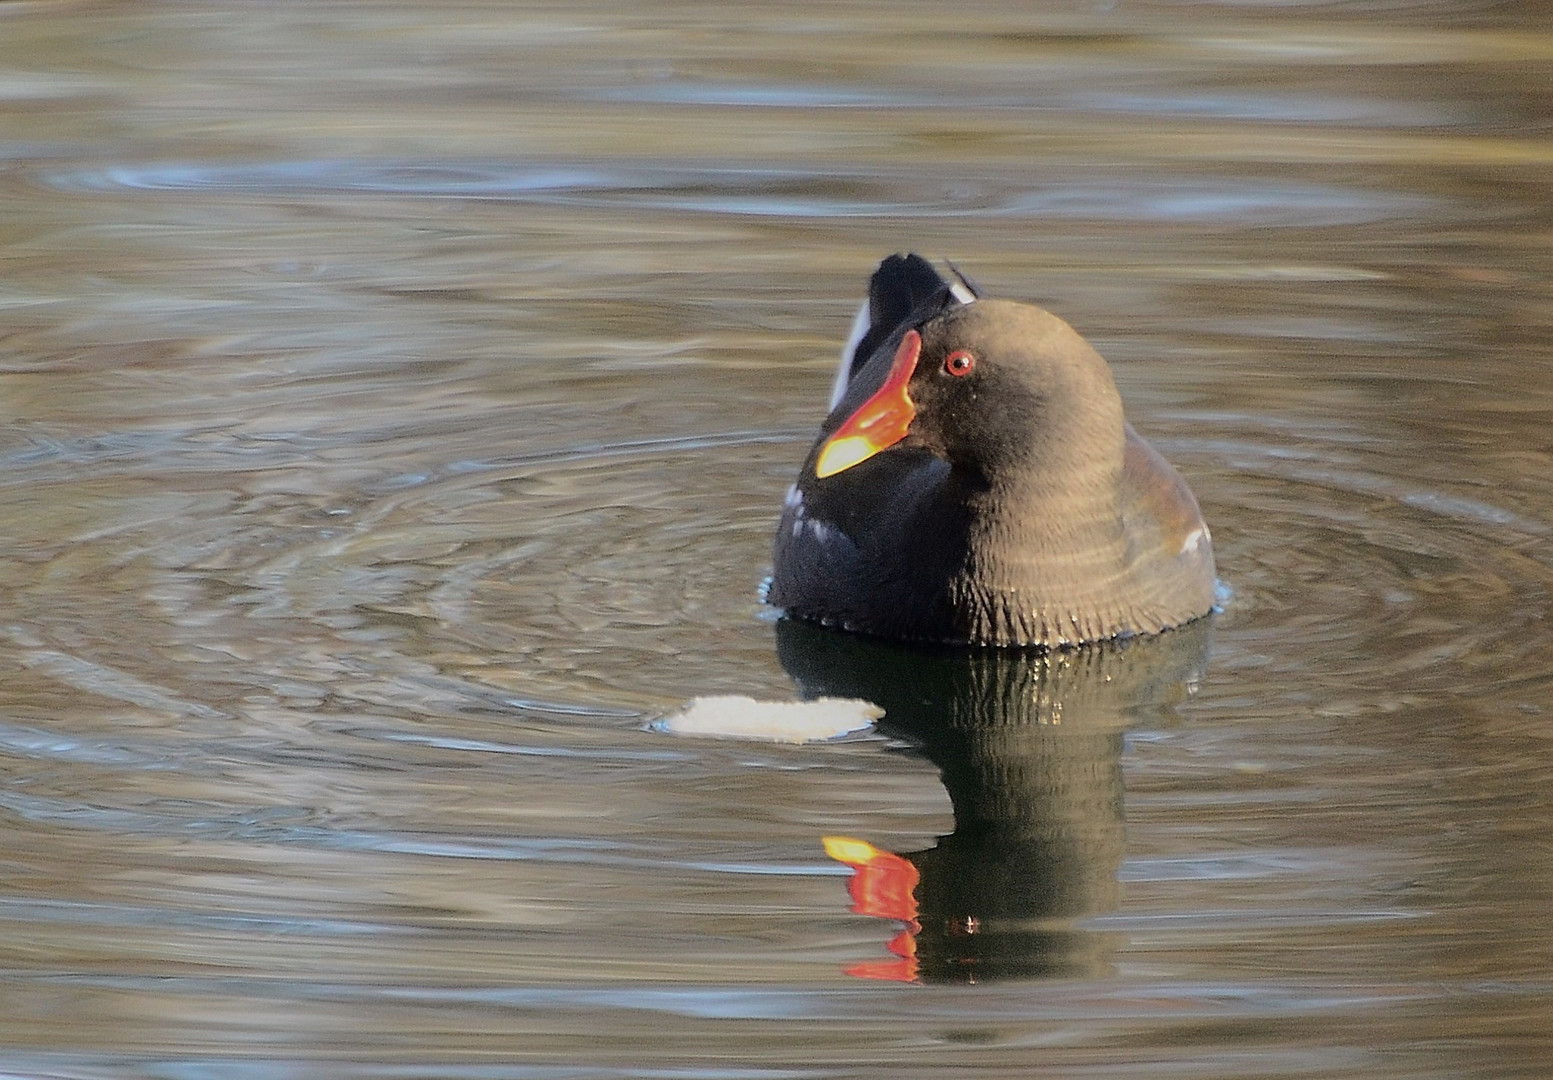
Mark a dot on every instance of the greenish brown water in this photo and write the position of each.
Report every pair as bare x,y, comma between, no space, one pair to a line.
398,399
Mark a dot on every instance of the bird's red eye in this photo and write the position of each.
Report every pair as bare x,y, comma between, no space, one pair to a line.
959,362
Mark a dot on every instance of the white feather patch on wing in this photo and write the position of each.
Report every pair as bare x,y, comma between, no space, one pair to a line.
860,325
735,717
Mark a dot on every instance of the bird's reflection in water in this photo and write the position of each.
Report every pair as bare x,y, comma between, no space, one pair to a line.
1029,747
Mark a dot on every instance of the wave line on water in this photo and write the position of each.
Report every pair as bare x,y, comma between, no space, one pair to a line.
785,192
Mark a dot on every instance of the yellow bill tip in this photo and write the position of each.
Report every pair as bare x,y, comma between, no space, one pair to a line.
841,454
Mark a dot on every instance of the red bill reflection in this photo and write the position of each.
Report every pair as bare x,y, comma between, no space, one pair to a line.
882,885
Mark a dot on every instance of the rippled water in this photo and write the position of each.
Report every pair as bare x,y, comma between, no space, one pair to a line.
399,399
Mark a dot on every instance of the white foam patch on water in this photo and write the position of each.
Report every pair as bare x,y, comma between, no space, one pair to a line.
736,717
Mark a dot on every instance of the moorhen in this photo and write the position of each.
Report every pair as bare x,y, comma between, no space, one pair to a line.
976,482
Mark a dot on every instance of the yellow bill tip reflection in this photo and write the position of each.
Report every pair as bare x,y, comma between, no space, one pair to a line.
844,849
